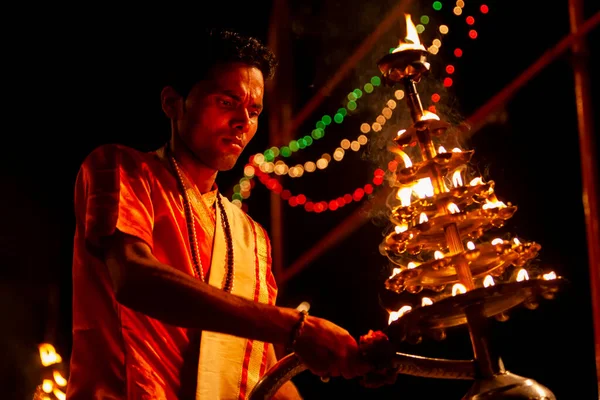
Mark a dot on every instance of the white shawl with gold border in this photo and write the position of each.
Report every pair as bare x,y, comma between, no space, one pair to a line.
230,366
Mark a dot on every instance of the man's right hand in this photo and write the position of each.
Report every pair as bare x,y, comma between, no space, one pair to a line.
328,350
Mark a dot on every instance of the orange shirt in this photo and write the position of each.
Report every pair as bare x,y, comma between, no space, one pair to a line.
119,353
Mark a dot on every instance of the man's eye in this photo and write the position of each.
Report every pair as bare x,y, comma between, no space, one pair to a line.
225,102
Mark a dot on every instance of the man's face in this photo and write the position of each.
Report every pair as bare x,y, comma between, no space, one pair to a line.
220,115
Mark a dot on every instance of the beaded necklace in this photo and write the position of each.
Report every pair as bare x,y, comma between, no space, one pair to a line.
191,228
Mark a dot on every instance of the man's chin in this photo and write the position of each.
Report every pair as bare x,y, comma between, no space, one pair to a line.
227,163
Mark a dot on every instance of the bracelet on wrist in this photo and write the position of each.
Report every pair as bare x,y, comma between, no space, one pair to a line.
297,330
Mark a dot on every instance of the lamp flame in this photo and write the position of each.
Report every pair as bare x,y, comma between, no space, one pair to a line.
404,194
59,379
426,301
423,218
457,179
494,203
429,115
48,354
395,272
549,276
400,228
458,288
423,188
47,385
60,395
522,275
488,281
476,181
412,37
453,208
406,159
394,315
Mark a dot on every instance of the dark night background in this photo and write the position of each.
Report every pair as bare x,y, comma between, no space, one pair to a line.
81,77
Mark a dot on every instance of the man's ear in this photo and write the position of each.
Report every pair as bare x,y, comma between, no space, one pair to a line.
171,102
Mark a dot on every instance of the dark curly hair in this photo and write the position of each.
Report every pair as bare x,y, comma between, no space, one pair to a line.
214,47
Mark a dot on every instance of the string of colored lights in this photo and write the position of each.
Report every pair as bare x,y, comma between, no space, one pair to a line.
281,168
443,29
324,205
257,162
264,161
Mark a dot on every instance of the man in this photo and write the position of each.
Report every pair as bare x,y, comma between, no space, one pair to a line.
173,295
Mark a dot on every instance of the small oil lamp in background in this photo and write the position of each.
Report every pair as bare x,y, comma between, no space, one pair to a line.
54,383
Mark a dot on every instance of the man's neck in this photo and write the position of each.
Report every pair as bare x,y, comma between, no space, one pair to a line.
200,175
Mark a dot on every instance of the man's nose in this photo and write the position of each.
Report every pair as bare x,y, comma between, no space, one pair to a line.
242,120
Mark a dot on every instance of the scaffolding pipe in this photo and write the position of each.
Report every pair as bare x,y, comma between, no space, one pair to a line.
479,118
587,147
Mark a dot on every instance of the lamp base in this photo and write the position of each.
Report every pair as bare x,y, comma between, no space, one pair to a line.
506,385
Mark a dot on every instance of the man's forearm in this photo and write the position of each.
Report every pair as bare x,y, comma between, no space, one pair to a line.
176,298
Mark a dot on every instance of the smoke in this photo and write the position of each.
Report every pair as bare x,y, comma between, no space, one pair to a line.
378,153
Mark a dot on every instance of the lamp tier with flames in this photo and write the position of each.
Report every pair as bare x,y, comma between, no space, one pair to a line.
438,213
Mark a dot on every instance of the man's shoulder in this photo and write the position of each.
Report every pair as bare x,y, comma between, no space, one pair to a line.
112,150
112,154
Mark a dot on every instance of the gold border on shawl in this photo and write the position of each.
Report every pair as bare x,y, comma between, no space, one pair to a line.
258,348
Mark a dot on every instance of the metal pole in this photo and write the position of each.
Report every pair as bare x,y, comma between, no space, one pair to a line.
588,166
478,119
280,106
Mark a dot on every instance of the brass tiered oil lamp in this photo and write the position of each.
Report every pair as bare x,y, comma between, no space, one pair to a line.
437,218
441,226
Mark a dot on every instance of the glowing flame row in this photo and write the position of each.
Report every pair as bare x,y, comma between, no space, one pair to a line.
422,188
396,271
395,315
457,288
